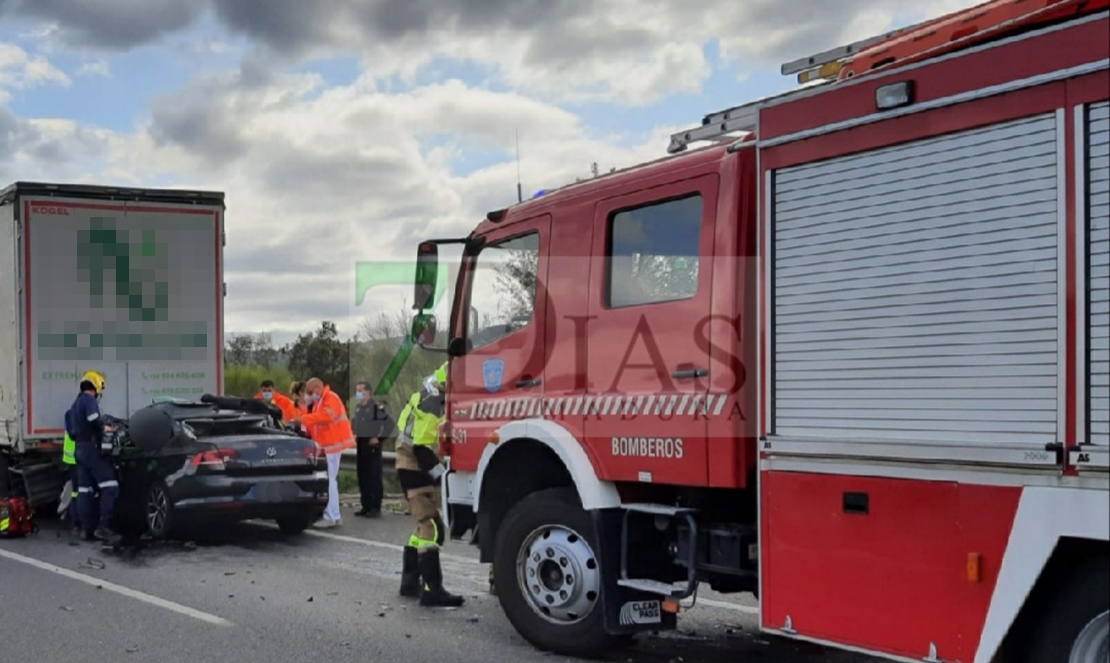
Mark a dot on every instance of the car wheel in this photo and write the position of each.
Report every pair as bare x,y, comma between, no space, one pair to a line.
159,512
1075,627
294,525
549,575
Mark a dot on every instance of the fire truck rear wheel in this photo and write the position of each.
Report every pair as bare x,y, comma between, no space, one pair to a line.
1075,626
548,575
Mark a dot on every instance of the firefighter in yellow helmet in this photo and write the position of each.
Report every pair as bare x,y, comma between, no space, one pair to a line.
87,428
419,469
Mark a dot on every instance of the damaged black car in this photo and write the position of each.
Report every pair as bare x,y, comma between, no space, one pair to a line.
203,464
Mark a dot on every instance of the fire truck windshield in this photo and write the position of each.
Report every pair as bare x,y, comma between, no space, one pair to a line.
500,292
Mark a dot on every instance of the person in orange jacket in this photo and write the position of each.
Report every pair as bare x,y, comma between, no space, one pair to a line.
300,407
274,397
330,428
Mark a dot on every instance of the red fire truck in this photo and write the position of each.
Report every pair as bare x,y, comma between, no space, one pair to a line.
850,357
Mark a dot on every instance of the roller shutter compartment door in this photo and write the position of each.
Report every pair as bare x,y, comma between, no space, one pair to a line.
1098,274
915,291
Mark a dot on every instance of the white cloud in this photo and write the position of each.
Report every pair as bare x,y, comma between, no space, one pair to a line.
318,177
95,68
624,51
19,69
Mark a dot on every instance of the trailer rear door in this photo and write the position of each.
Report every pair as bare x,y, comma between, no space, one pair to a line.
132,289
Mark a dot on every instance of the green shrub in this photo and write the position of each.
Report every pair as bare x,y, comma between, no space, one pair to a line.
243,381
348,482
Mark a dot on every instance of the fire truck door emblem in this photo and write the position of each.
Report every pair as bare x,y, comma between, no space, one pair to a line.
493,371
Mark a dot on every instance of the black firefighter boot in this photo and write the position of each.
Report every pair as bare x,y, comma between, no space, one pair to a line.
433,594
410,574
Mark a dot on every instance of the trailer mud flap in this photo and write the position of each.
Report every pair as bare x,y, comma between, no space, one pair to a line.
627,611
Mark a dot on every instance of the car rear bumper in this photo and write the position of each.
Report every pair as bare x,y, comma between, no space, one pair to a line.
250,497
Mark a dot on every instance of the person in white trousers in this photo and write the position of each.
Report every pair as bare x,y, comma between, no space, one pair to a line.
330,428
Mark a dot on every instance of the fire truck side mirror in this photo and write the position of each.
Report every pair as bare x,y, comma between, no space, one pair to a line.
424,329
424,286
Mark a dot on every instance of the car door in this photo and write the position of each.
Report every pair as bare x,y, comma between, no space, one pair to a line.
500,377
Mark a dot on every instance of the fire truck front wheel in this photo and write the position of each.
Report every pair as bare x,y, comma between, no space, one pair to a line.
549,575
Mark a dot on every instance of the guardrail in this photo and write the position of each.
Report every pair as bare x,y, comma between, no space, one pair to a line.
348,461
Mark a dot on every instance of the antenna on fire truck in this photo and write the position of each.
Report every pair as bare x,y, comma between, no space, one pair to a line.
519,188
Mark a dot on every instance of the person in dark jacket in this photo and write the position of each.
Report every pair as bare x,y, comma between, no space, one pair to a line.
372,425
93,467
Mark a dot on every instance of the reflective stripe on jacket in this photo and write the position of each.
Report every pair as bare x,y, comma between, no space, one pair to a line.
420,419
328,423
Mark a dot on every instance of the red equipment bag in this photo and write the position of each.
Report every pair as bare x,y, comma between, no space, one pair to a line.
16,518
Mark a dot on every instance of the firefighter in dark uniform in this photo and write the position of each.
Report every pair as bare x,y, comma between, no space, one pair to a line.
94,468
419,469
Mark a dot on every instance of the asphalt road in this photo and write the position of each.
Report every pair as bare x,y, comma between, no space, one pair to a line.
251,595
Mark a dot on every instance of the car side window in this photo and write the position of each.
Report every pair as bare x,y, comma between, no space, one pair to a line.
653,252
503,288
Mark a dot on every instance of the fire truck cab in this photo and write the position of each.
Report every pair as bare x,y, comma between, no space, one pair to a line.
850,357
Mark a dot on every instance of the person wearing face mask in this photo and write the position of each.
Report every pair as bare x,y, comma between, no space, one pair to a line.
371,424
274,397
330,428
301,407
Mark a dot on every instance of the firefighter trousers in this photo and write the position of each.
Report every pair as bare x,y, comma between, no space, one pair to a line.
424,507
74,507
95,470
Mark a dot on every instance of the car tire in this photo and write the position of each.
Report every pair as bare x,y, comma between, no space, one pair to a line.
1075,626
158,513
553,525
294,525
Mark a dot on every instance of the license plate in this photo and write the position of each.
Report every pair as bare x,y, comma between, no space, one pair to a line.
641,612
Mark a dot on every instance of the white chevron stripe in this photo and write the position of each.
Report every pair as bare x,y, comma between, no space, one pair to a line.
694,406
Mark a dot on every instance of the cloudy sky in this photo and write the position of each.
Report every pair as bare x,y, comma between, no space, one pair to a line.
346,134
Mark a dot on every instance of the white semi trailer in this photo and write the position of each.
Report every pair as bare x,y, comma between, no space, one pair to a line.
125,281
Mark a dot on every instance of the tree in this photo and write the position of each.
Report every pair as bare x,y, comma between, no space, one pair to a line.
252,350
322,355
666,277
516,269
248,360
240,350
379,339
265,354
243,381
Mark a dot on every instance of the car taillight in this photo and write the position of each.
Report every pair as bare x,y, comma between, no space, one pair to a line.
214,458
313,451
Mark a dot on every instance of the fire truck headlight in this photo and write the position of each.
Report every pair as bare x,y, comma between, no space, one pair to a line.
894,95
